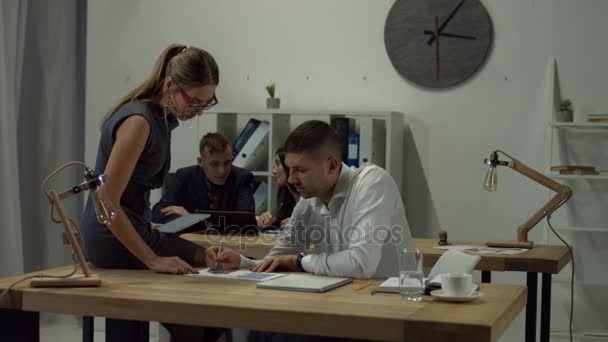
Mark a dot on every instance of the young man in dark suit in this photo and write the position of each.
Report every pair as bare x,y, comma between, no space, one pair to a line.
213,184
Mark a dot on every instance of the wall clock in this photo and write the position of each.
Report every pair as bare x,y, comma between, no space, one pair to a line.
438,43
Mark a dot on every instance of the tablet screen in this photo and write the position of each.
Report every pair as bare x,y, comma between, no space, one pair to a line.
181,223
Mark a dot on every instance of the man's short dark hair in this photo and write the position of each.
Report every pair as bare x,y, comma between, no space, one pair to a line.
312,136
214,142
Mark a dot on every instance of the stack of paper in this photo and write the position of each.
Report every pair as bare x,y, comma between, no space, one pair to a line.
575,170
484,250
597,117
239,274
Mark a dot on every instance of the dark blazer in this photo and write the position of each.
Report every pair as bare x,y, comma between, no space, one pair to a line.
189,190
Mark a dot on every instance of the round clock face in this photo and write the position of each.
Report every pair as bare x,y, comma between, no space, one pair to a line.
438,43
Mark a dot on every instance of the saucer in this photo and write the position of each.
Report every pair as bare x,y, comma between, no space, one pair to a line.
458,299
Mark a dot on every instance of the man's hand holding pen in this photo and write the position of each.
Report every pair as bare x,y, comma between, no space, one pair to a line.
221,258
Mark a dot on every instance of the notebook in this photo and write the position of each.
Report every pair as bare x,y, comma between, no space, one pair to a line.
180,224
391,285
304,283
451,261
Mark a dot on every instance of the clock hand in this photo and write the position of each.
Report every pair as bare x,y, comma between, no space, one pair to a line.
432,39
437,46
451,35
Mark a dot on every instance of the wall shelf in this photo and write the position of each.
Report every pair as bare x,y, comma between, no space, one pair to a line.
601,176
582,229
602,125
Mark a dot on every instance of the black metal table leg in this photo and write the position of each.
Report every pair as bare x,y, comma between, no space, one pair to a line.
532,282
19,326
88,328
545,308
486,276
118,330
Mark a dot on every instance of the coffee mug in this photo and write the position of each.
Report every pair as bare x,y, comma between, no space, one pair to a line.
457,284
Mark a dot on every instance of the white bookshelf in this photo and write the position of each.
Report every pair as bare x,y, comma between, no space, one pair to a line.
230,122
582,220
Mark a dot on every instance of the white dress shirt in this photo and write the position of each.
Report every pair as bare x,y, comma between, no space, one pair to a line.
358,234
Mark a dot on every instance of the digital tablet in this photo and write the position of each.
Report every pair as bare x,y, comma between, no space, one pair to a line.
181,224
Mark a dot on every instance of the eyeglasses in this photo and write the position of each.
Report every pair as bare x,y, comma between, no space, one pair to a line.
194,104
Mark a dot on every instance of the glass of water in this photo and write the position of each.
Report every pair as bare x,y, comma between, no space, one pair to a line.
410,275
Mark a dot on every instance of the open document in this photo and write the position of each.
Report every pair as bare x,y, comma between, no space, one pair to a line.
237,274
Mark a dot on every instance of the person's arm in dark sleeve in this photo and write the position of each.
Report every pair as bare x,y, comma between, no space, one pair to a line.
245,200
172,197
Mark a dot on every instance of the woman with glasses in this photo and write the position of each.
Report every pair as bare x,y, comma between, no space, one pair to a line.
286,196
134,154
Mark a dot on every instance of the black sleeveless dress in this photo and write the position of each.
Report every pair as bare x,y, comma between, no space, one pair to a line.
101,247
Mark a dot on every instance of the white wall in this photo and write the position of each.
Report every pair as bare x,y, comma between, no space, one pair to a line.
329,55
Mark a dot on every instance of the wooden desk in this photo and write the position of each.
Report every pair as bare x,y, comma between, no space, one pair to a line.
544,259
540,259
147,296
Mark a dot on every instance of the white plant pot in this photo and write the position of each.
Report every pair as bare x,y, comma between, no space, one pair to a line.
273,103
564,116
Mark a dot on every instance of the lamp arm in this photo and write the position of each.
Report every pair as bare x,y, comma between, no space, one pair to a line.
522,231
563,193
84,186
538,177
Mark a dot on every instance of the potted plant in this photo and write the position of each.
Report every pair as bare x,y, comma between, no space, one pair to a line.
272,102
565,111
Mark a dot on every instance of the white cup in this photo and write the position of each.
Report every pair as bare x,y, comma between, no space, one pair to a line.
457,284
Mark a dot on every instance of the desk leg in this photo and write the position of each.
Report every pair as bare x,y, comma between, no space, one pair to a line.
19,326
88,328
118,330
486,276
532,282
545,308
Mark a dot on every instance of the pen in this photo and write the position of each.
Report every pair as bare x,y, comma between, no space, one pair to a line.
362,286
217,258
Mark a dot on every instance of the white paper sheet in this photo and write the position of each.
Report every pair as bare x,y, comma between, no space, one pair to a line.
238,274
484,250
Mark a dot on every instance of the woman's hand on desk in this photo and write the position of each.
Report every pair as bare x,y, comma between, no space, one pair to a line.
228,259
173,265
283,263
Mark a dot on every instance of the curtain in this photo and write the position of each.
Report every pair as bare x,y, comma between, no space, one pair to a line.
12,35
43,45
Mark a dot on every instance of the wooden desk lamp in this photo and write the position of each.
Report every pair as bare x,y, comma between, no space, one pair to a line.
563,195
106,213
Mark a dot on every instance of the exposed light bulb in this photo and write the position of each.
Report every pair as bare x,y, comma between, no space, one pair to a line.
490,182
104,208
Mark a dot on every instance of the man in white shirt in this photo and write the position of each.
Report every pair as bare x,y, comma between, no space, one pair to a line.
353,216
